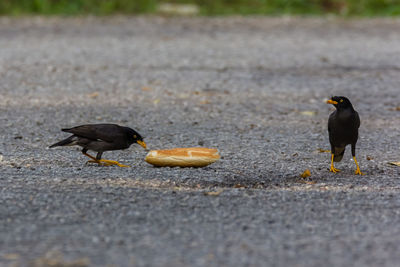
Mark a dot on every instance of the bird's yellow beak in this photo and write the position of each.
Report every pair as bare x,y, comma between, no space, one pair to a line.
143,144
330,101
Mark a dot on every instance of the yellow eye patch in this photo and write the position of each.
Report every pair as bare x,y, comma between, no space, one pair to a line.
341,100
135,136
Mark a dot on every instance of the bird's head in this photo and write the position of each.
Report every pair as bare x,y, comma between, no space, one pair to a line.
340,102
135,137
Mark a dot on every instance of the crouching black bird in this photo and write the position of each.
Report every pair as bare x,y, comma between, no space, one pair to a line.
100,138
343,127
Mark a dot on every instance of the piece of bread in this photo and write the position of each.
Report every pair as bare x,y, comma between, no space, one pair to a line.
183,157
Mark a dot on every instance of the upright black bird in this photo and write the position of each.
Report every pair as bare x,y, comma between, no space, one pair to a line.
100,138
343,127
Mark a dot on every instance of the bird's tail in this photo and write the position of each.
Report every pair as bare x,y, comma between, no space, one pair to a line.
66,142
339,152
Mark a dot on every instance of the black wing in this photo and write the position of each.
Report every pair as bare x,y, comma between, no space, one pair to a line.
357,120
106,132
331,121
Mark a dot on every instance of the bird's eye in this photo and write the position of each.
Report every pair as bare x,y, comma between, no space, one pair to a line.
341,100
135,136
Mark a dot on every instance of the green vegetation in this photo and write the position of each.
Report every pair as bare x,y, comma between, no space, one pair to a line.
76,7
207,7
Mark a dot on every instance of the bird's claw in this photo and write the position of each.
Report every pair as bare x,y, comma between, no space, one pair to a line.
105,162
358,171
334,170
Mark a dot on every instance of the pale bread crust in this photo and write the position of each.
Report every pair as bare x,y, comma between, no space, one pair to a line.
183,157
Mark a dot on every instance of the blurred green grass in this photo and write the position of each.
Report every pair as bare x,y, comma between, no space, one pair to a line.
206,7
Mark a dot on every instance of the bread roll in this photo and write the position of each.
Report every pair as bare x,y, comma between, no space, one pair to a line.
183,157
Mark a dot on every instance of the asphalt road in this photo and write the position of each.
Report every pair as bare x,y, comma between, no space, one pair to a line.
253,88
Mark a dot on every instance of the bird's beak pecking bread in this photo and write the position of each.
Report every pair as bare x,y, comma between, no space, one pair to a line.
142,143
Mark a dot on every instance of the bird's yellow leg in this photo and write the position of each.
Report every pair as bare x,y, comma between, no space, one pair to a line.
333,169
93,159
104,162
107,162
358,171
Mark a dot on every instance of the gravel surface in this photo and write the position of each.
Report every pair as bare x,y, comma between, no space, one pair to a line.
252,87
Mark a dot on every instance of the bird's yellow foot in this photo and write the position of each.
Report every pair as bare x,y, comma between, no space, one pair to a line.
358,171
358,167
105,162
334,170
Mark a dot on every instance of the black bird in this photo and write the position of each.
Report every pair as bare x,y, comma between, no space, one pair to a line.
343,127
100,138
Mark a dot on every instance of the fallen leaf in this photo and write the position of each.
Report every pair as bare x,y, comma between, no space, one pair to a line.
55,258
395,163
178,9
213,193
93,95
252,126
306,174
204,102
11,256
324,59
369,158
183,96
239,186
146,88
320,150
308,113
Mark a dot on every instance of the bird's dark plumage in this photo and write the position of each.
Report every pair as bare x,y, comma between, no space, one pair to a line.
64,142
343,127
100,138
